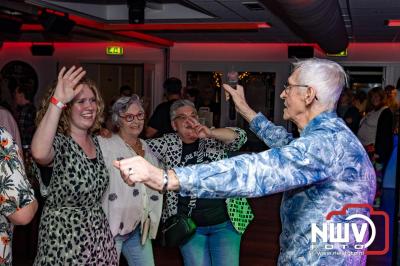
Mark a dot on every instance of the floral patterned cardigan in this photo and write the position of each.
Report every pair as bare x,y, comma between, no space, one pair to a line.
15,191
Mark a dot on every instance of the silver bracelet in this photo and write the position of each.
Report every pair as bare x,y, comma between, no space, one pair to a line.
165,182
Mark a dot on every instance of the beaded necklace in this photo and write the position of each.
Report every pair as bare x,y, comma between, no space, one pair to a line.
137,147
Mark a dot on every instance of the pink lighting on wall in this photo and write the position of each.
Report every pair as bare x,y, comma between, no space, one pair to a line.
393,22
230,26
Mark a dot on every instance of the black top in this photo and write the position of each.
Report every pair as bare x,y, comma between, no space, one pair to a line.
25,117
384,136
352,118
160,119
207,211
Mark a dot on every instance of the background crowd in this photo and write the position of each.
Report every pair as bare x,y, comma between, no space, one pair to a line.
90,216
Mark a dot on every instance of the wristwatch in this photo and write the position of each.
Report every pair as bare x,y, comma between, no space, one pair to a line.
165,182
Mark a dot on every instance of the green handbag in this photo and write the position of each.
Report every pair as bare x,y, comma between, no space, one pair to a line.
240,213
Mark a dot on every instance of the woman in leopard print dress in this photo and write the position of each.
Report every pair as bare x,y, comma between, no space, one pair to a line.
73,228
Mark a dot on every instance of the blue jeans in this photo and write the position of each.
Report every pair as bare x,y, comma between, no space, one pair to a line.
132,249
213,245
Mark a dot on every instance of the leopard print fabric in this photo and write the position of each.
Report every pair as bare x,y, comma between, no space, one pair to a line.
73,228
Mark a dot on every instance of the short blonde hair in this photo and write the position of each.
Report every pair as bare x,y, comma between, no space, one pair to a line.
64,123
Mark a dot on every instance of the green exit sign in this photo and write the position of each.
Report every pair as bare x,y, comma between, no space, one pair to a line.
341,54
114,50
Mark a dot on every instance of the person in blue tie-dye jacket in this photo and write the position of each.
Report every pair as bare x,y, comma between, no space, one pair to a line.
323,170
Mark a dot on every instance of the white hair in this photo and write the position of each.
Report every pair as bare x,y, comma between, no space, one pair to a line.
122,105
178,104
327,78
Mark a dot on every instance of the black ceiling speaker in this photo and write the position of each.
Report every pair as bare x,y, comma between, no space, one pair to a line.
136,11
10,25
300,51
56,24
42,49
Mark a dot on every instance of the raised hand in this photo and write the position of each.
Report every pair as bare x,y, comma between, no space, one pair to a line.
67,81
237,94
240,101
200,130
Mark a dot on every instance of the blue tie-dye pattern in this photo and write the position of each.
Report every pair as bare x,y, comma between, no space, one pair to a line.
321,171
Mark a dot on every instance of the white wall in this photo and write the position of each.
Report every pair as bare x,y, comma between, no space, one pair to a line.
68,54
274,58
196,56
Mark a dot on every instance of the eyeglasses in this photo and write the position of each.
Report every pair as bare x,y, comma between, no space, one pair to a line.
130,117
287,87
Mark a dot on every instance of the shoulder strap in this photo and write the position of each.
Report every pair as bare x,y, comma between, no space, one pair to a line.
200,154
200,157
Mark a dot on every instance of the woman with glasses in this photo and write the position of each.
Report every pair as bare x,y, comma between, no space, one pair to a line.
73,228
220,222
133,212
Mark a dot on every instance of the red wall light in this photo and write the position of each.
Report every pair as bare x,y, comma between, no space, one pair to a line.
393,22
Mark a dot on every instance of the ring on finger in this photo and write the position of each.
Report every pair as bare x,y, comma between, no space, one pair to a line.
130,171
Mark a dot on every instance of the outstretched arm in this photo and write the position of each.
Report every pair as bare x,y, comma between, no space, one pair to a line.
241,105
268,132
250,175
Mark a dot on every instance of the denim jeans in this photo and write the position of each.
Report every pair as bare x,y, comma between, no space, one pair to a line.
215,245
132,249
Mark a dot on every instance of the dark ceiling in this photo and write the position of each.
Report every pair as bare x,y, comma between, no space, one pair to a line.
291,21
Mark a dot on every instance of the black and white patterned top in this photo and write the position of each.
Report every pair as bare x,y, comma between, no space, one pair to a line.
168,149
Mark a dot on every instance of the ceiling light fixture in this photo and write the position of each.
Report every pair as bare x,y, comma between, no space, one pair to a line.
55,23
253,6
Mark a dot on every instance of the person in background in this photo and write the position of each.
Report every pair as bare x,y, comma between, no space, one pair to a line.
3,102
133,212
25,114
160,122
207,100
125,90
73,228
360,102
192,95
348,111
393,104
8,122
376,135
17,202
216,241
321,171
